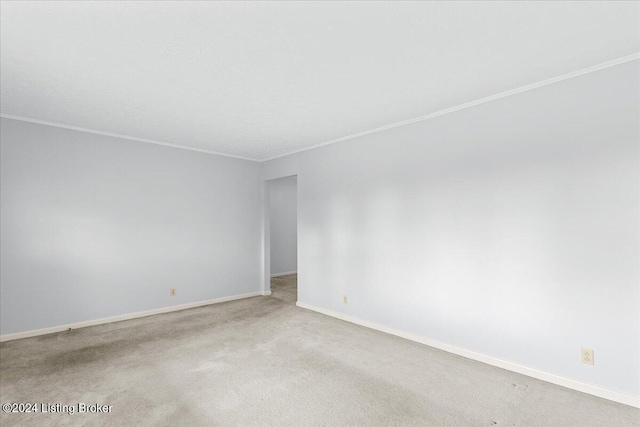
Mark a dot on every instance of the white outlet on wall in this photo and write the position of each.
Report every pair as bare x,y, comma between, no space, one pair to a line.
587,356
345,299
172,292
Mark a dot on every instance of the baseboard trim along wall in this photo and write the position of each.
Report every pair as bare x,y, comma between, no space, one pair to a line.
286,273
510,366
121,317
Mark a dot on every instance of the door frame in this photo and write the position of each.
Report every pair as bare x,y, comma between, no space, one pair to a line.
266,231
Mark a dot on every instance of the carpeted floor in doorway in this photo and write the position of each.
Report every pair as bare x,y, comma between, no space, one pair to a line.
285,288
264,361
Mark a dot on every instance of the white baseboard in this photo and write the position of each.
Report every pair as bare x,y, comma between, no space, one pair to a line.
119,318
286,273
510,366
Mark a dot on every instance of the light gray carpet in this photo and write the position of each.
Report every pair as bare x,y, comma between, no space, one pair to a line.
285,288
263,361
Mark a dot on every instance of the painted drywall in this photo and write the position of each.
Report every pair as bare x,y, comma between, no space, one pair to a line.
283,225
95,226
511,229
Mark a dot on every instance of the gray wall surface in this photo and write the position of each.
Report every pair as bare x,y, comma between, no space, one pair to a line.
511,228
94,226
283,225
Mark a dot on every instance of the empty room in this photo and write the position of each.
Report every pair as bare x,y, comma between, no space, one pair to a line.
319,213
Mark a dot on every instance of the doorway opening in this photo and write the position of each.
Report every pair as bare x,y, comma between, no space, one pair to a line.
281,243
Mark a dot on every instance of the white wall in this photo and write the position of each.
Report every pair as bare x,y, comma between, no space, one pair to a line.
511,228
283,225
95,226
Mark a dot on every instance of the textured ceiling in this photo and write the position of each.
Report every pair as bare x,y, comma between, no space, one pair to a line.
259,80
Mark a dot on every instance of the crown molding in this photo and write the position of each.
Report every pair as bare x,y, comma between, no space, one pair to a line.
121,136
470,104
601,66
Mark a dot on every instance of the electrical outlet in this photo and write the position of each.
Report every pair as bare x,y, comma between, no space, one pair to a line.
587,356
172,292
345,299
